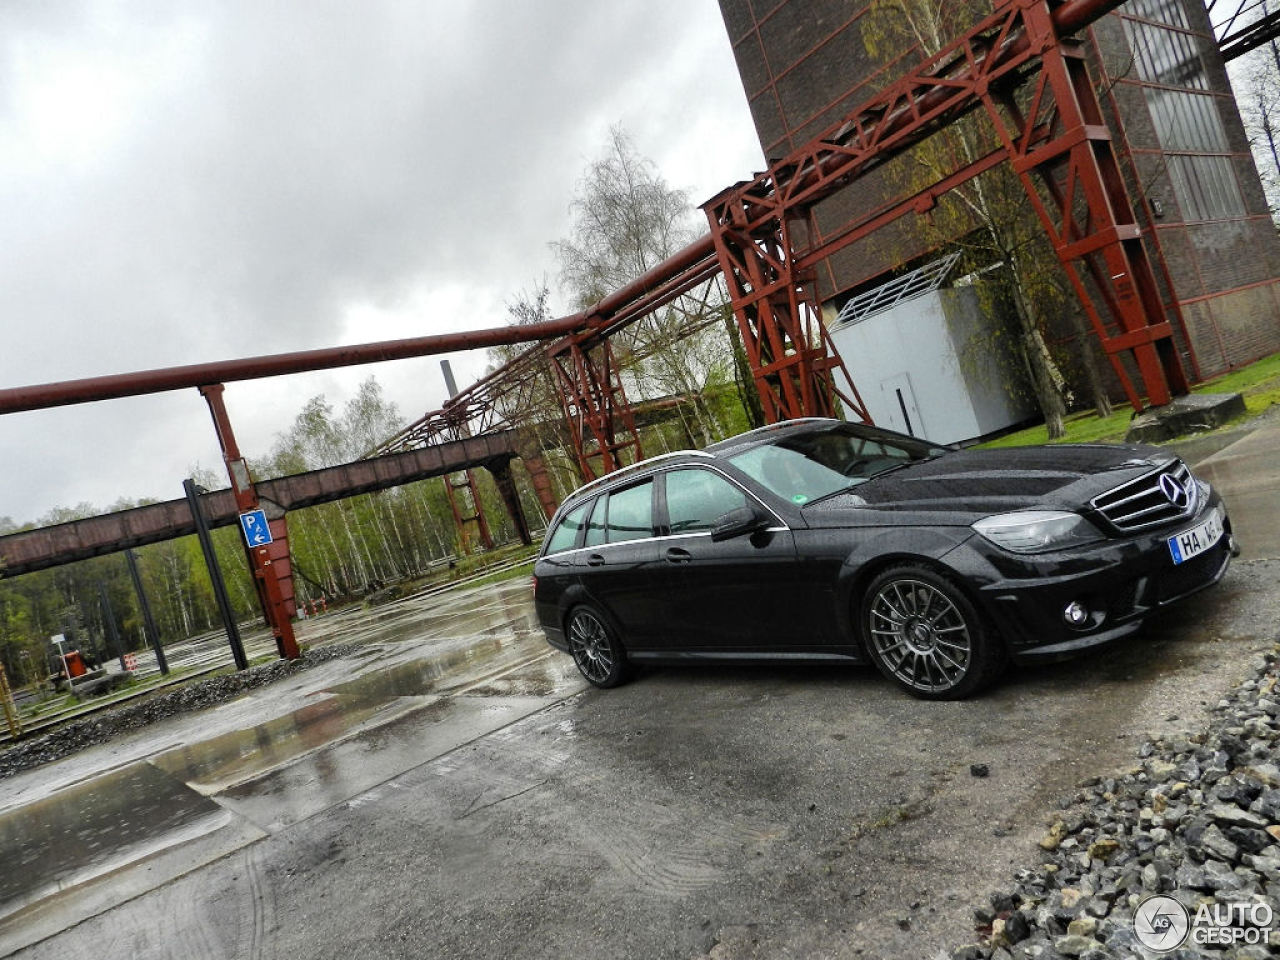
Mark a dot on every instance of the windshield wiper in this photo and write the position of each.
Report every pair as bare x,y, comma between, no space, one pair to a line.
848,487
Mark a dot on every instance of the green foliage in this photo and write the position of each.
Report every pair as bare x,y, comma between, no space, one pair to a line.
626,220
1259,383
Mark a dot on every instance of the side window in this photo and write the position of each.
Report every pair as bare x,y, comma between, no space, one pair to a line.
630,514
565,536
697,498
595,527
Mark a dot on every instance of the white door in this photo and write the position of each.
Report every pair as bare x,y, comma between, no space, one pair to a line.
899,403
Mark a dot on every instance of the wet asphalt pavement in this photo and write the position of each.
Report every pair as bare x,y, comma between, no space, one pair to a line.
456,791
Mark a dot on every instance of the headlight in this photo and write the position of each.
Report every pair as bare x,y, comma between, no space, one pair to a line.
1205,489
1034,531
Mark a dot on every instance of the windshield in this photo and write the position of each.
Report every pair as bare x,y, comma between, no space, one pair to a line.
815,465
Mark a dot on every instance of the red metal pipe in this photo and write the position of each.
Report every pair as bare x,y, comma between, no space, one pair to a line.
37,397
41,396
1075,15
701,249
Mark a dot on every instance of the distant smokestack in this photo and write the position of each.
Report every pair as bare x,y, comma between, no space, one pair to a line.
449,383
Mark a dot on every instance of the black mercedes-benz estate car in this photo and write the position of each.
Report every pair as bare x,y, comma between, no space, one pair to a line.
819,539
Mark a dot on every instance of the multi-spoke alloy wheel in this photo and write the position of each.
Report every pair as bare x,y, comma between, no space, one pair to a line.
924,634
599,656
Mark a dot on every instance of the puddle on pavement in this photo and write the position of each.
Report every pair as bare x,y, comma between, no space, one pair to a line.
344,770
1251,488
235,756
343,708
551,676
90,827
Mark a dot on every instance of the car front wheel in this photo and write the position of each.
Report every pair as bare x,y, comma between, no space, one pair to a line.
925,635
595,649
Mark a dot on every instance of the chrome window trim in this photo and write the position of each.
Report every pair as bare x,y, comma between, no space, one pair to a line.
781,528
665,536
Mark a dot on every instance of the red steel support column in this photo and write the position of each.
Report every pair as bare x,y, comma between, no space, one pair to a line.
1088,215
268,572
595,403
787,346
464,501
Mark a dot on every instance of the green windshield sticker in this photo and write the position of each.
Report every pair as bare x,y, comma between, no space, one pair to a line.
799,498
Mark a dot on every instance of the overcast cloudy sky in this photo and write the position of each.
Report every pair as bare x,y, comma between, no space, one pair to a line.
182,182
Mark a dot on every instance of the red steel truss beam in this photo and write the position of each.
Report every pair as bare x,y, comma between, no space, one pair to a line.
76,540
486,404
1090,219
596,407
786,342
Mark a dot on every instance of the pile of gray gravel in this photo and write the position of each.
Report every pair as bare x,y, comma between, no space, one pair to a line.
101,727
1198,821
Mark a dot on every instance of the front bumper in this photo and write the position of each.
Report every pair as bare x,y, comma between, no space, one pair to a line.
1119,582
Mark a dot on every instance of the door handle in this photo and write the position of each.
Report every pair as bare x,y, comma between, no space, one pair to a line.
595,560
676,555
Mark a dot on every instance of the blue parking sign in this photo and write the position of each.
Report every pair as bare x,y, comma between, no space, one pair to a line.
257,533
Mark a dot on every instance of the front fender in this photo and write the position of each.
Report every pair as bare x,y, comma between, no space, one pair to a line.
876,550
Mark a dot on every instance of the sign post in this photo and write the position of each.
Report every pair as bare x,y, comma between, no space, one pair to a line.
215,574
58,639
253,523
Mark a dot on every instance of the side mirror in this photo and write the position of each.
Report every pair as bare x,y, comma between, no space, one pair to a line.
738,522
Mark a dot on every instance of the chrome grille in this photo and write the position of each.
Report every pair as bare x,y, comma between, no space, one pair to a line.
1144,502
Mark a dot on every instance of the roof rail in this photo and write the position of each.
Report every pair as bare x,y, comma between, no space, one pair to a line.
630,468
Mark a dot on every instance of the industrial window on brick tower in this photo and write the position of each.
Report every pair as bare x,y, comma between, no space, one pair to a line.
1183,111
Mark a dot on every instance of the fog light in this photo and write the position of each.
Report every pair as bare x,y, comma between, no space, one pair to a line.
1076,613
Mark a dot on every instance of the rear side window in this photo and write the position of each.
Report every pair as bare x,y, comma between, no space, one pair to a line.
565,536
697,498
595,527
631,513
622,515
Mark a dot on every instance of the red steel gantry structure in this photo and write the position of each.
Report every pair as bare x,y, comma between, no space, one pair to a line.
1020,66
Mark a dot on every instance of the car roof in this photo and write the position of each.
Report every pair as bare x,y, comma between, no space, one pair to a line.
772,433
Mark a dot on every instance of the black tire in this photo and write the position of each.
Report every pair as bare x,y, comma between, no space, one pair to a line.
924,634
595,648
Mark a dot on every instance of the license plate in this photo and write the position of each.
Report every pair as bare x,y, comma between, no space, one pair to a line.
1196,540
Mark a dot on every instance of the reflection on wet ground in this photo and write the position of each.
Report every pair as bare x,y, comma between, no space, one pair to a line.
90,826
436,674
1244,473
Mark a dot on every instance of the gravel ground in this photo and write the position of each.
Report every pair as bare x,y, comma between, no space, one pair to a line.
101,727
1197,821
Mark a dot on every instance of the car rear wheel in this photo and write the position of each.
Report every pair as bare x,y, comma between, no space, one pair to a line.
924,635
595,649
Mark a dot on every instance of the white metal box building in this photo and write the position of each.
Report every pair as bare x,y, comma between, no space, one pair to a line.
925,361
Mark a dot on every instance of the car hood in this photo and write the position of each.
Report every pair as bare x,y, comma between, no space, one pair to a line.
976,483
